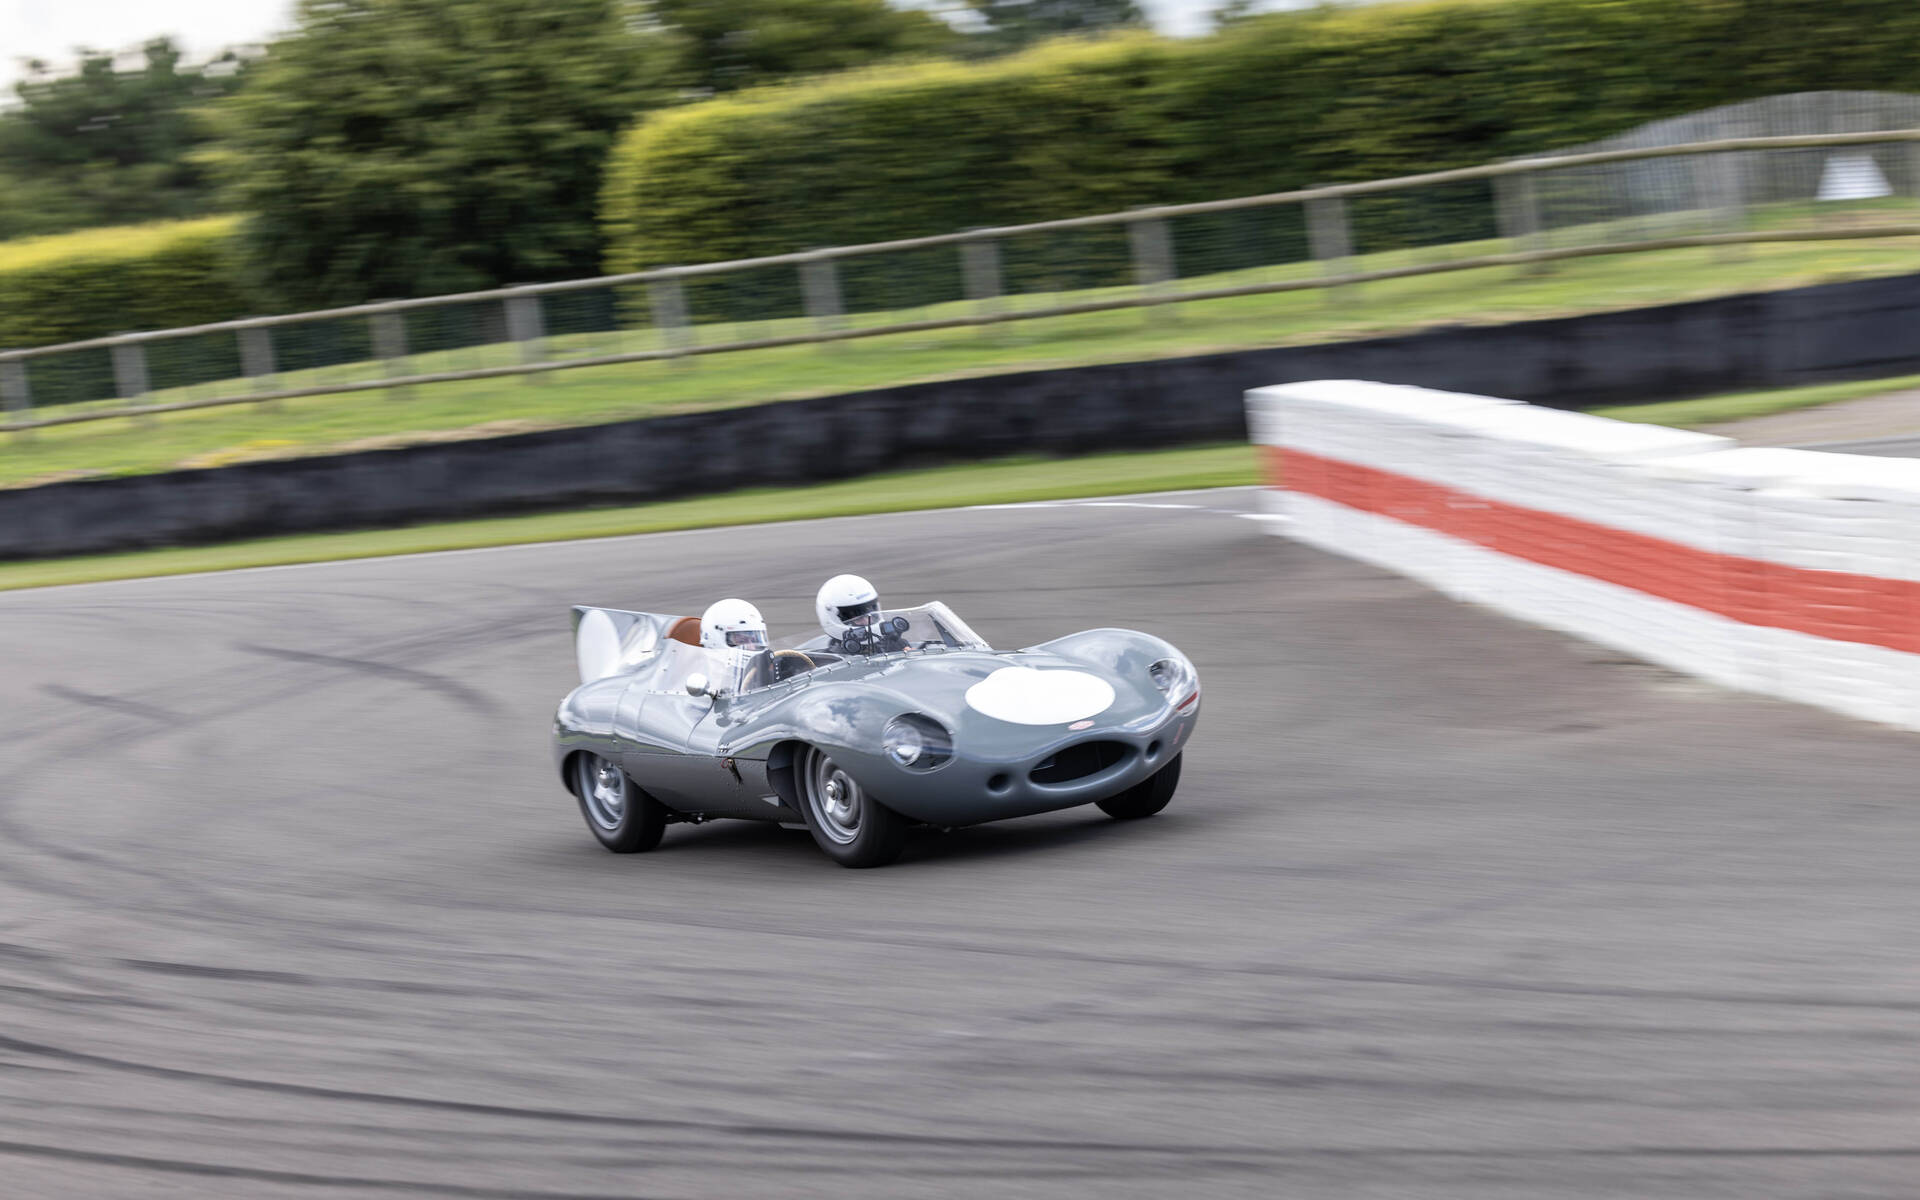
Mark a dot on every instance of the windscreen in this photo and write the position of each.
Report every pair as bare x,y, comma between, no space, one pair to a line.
928,627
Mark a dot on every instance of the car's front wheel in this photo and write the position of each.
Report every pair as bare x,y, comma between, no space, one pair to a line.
1145,798
624,818
853,828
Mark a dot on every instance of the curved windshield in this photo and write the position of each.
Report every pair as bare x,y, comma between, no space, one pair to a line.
768,667
927,627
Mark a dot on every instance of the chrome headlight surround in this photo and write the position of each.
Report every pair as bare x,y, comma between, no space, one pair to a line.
1177,680
916,742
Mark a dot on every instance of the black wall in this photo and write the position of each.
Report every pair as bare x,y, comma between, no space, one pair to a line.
1808,335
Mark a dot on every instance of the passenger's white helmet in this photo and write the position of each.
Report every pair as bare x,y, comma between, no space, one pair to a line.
733,625
846,601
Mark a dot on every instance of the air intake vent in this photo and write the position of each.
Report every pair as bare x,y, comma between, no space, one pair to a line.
1078,762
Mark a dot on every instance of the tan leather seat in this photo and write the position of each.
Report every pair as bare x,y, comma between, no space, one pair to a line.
686,629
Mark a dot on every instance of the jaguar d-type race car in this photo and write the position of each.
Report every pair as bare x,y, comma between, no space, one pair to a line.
929,726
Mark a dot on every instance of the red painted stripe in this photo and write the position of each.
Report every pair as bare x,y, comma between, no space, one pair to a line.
1865,609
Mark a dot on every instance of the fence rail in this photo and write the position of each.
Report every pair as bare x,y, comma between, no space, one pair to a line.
1150,267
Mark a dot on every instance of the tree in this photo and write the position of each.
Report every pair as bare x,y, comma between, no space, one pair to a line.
1011,24
1236,12
392,148
105,146
730,44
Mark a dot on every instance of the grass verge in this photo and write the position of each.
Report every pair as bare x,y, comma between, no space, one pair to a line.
1002,482
1738,406
346,421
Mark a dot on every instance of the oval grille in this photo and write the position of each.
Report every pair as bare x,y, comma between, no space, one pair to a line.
1078,762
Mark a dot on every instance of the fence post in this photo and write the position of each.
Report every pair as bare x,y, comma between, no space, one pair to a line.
1518,209
130,370
256,359
526,324
980,275
1153,266
1328,238
820,287
390,347
1730,184
667,301
16,396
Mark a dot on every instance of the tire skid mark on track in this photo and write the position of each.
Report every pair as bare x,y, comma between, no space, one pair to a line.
181,1166
408,987
54,752
467,697
1181,968
799,1133
112,704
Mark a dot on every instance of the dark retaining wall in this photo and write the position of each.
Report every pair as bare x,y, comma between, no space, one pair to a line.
1836,331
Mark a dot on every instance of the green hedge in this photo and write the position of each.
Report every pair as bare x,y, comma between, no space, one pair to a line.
1285,101
118,280
123,279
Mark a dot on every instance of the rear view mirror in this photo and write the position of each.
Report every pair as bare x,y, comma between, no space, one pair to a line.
697,685
899,624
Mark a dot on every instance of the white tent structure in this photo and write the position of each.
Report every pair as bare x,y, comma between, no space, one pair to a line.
1699,192
1852,177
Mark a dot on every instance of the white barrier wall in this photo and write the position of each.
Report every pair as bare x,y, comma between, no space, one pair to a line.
1790,572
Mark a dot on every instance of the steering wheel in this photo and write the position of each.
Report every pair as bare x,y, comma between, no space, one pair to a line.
785,664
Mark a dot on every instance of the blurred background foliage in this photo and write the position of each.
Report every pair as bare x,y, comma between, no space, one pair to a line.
110,146
395,148
1270,103
392,148
1004,25
725,45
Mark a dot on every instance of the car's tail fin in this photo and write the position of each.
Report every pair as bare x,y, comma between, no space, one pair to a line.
607,641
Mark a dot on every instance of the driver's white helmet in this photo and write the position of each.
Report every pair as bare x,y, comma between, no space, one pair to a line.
846,601
733,625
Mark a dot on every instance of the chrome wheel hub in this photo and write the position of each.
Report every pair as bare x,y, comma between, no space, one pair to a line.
605,790
834,799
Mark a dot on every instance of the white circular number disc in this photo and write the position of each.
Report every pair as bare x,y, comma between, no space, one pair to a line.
1024,696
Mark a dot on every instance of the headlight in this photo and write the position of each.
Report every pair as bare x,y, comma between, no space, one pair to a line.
916,742
1176,678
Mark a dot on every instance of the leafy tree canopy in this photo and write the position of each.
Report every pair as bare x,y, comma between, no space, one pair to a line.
106,146
391,148
1011,24
730,44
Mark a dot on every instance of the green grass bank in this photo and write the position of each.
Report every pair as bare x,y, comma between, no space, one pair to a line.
363,420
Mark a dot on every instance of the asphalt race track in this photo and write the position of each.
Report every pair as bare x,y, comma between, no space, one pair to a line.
1887,447
1447,906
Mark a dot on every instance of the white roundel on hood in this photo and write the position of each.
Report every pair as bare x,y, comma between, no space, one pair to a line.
1024,696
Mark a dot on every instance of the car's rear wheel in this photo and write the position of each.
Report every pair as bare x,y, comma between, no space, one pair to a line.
625,819
853,828
1145,798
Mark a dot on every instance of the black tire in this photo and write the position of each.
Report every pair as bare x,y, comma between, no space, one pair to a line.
849,826
1145,798
622,818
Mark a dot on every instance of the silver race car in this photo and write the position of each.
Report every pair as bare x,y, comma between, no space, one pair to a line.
923,723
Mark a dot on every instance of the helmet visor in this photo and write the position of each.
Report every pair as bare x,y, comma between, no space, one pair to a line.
747,637
861,614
